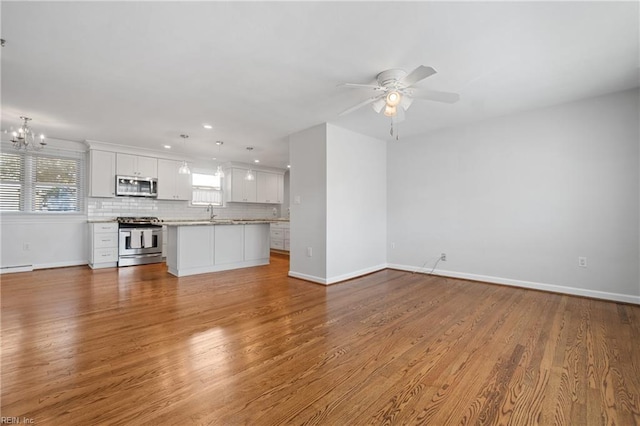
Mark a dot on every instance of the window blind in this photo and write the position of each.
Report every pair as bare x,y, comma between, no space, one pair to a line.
11,179
43,182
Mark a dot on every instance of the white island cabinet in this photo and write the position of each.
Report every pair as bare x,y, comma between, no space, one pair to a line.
198,248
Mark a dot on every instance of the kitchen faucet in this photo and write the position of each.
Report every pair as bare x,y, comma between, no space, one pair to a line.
210,209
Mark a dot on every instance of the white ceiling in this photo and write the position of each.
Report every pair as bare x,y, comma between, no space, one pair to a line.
142,73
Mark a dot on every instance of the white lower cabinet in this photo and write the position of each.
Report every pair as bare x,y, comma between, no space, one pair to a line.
229,244
198,249
280,236
103,245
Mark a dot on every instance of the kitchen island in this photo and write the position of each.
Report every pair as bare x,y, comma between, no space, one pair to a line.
198,247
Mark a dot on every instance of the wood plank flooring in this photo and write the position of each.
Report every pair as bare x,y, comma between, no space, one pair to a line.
138,346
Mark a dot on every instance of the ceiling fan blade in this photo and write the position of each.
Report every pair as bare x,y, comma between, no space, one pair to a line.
406,102
360,86
416,75
434,95
378,105
358,106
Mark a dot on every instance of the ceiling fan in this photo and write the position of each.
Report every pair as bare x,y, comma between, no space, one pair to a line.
395,92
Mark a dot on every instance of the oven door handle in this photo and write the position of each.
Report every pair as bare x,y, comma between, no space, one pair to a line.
140,255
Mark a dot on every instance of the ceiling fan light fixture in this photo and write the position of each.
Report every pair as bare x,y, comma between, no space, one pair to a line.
393,98
390,111
406,102
378,105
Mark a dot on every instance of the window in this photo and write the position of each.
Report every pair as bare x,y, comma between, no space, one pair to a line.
205,189
42,182
11,179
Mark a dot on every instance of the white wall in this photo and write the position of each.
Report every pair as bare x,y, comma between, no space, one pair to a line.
356,204
39,241
308,197
339,178
517,199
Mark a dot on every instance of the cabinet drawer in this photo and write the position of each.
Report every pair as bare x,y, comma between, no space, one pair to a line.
105,255
277,233
286,234
105,241
105,227
287,245
277,244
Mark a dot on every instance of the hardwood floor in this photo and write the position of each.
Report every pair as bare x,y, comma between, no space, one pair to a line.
139,346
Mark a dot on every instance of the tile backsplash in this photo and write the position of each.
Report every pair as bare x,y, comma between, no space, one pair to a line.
99,208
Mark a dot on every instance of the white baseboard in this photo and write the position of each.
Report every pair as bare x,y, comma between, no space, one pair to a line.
616,297
306,277
338,278
355,274
14,269
64,264
29,268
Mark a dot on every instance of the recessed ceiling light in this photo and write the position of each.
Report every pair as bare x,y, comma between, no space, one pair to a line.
214,158
288,166
256,161
167,146
207,126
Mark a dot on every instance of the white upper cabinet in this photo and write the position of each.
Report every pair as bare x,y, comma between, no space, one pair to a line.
102,173
239,189
268,187
171,184
136,165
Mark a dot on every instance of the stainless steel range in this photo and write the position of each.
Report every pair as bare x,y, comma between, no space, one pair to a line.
140,240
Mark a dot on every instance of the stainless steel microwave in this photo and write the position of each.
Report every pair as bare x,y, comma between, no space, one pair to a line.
132,186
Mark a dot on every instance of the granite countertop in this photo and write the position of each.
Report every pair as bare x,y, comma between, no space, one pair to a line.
103,220
187,222
200,222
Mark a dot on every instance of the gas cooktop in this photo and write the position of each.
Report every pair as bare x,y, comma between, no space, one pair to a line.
139,220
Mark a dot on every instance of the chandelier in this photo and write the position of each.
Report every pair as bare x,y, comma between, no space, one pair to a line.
25,138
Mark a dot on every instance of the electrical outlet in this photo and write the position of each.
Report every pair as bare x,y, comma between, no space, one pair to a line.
309,252
582,262
443,257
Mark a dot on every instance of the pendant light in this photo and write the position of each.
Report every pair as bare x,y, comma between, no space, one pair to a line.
184,168
250,175
219,172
